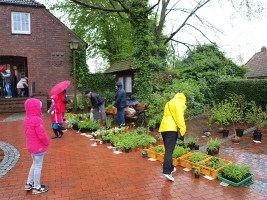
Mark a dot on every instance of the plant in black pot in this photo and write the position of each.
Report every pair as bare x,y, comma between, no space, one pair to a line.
196,171
109,121
213,146
220,114
257,117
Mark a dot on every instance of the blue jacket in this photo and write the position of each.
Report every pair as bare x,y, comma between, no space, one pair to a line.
120,98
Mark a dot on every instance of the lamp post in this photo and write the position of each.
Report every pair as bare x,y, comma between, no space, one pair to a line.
73,46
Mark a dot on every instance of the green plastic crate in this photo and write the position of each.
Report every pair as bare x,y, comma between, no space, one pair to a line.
219,176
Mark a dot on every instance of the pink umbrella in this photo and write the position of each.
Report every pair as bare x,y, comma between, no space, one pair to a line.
1,67
58,88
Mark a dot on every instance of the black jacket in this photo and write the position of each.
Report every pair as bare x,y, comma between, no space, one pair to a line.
96,100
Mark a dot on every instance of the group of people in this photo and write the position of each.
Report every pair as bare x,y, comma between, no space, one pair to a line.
5,85
98,104
172,127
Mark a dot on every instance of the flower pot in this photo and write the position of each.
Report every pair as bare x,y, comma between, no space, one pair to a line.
127,150
197,176
213,152
257,137
225,133
239,132
144,155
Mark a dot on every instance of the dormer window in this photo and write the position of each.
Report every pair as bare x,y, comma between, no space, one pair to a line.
21,23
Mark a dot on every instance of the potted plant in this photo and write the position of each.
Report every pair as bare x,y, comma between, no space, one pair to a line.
196,171
144,153
213,146
159,138
220,114
151,124
235,175
197,157
109,121
257,117
178,152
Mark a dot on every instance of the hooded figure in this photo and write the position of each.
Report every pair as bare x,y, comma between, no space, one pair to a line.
120,103
8,80
22,85
36,143
171,123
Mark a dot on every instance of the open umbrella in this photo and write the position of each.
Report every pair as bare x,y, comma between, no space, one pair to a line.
1,67
58,88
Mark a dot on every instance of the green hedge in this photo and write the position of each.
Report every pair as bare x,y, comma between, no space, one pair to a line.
252,89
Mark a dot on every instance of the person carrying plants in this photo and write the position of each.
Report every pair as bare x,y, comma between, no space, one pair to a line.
98,104
120,103
172,125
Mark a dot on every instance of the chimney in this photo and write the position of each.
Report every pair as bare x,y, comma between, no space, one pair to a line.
263,49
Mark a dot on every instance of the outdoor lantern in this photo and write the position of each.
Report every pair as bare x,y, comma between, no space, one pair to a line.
73,46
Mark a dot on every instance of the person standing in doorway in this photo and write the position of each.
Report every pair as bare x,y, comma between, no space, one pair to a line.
171,125
120,103
2,87
22,85
98,104
8,80
37,143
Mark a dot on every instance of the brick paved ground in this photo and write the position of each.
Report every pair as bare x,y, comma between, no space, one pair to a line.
76,170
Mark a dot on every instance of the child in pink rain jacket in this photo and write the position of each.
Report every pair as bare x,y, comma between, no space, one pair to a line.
56,116
36,143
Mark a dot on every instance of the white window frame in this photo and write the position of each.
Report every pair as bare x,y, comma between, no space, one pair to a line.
21,22
128,83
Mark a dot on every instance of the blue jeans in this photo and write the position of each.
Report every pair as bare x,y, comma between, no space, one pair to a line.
8,89
169,139
120,116
35,171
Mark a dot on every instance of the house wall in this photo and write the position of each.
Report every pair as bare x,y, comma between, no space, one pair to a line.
46,48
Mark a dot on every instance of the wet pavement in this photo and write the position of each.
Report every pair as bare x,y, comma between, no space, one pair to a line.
74,169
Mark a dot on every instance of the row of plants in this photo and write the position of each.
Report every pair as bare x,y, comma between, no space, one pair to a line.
236,111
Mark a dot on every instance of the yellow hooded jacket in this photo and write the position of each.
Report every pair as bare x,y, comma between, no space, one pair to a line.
177,107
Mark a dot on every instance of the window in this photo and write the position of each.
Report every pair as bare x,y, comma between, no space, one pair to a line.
126,83
21,23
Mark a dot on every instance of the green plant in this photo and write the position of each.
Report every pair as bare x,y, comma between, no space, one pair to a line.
151,123
256,116
213,145
235,172
215,163
197,156
159,149
159,136
196,169
109,121
179,151
144,151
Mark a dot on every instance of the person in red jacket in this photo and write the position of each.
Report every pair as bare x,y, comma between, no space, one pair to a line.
36,143
56,116
63,101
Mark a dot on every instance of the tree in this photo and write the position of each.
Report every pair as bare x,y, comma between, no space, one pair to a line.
146,35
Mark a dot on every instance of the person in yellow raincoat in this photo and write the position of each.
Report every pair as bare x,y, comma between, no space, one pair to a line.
173,119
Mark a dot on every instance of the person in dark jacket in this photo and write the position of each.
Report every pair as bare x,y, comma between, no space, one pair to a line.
8,80
2,86
98,104
120,103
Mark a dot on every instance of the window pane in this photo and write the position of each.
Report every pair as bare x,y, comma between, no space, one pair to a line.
20,22
121,80
128,82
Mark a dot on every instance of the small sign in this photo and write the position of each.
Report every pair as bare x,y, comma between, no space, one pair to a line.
224,184
256,141
117,152
152,159
186,169
208,177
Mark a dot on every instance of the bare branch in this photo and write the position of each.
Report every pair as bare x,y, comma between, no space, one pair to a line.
98,8
199,5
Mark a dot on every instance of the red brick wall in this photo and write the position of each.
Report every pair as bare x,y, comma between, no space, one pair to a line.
48,36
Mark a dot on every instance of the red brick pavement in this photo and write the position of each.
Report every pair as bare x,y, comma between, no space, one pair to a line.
74,169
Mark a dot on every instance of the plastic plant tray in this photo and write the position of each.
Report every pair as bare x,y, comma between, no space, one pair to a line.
219,176
212,172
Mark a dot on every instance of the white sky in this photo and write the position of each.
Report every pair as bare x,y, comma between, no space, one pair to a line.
240,36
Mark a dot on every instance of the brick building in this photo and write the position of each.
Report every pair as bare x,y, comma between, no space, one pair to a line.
34,43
